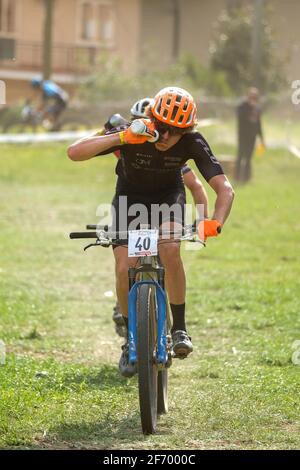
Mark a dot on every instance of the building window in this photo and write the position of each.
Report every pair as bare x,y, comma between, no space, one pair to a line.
97,22
7,16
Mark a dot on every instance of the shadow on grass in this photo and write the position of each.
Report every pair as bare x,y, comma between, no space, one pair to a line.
107,434
117,426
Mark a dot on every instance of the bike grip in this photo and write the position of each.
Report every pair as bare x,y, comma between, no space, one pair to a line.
74,235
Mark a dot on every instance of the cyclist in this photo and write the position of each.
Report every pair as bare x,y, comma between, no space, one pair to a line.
190,180
53,99
173,115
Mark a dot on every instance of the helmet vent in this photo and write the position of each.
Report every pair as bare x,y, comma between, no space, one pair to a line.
159,106
175,110
185,106
165,113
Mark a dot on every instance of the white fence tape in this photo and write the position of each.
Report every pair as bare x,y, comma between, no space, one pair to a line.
48,137
43,137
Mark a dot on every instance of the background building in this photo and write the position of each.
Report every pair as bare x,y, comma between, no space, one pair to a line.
138,32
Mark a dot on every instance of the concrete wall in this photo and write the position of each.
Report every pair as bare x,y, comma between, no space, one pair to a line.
196,18
285,18
197,21
156,33
128,27
32,17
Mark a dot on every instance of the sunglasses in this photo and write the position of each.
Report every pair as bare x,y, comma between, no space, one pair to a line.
163,128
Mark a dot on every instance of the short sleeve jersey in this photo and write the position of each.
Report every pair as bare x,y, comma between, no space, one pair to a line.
144,169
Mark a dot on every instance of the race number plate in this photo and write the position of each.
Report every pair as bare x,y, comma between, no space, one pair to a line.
142,242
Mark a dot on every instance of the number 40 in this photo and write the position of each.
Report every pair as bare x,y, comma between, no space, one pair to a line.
143,244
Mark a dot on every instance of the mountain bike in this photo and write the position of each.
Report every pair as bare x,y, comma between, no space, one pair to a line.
150,341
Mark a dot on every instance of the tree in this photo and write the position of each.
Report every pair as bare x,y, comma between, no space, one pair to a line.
47,43
233,51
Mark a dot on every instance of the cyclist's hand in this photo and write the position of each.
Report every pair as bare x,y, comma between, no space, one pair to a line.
140,131
209,228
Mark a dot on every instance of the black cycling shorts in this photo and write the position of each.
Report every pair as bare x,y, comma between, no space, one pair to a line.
137,209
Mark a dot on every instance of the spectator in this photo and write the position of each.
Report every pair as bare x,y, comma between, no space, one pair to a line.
249,126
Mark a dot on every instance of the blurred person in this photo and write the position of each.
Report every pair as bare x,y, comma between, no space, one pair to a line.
52,100
171,118
249,127
190,179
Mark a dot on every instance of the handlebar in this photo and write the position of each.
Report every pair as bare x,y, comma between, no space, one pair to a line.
107,238
83,235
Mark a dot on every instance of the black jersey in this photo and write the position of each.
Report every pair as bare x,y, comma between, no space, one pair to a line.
144,169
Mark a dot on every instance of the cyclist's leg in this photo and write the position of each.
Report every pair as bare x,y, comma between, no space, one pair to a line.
174,275
169,249
175,282
54,111
122,263
121,267
169,252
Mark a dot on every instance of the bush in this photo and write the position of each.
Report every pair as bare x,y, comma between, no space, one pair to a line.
210,81
110,83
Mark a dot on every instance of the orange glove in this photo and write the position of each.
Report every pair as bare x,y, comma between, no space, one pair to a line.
140,131
209,228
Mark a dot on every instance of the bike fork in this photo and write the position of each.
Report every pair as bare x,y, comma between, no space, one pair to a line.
161,353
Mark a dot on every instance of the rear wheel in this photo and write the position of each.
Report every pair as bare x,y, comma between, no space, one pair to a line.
162,379
147,369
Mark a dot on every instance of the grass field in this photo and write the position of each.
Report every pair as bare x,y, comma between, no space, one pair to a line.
60,386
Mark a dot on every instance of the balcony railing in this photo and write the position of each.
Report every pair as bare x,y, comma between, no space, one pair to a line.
65,58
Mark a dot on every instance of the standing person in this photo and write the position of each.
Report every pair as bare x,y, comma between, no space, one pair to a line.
52,99
156,179
249,127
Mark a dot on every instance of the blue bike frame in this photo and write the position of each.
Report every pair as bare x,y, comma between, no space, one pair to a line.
161,354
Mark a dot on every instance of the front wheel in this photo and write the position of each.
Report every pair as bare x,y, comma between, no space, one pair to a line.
146,346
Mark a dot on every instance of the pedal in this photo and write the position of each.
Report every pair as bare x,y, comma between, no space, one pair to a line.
180,354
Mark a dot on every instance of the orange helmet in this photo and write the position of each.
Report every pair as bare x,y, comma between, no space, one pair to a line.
174,106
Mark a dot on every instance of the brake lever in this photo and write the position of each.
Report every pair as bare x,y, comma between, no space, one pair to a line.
89,246
104,243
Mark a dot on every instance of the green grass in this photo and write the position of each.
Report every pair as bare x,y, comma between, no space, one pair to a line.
275,130
60,386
